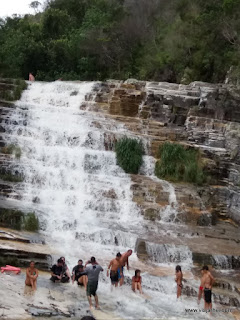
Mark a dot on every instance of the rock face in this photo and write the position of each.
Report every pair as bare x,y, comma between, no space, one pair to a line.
201,115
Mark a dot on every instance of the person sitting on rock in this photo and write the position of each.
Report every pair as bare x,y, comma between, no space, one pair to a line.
137,281
78,275
31,276
66,273
57,271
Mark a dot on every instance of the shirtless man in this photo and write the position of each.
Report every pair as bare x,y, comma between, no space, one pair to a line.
207,284
200,292
123,262
114,265
178,279
31,276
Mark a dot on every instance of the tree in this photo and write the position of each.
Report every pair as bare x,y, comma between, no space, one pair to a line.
35,5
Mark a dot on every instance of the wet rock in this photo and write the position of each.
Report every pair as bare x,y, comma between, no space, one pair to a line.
205,220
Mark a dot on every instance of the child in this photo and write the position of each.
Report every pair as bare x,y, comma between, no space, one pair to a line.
137,281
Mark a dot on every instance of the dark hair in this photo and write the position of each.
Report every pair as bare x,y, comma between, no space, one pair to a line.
205,268
93,260
130,250
80,260
118,255
60,261
136,272
88,318
178,268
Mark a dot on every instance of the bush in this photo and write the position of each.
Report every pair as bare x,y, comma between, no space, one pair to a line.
12,149
31,222
179,164
11,218
129,154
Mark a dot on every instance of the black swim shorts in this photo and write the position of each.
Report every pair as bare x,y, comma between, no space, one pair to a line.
114,276
208,295
92,288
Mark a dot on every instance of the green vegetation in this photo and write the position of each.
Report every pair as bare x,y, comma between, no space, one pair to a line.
11,218
174,40
31,222
15,94
16,219
12,149
8,176
179,164
129,154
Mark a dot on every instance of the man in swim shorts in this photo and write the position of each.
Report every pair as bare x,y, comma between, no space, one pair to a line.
92,271
123,262
114,266
208,281
200,292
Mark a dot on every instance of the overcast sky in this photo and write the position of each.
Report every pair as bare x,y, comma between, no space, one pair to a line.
10,7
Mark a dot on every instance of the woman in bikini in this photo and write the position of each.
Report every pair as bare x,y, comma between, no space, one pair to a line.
137,281
178,279
31,276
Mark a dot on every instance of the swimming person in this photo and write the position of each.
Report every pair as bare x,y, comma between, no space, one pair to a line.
137,281
208,281
79,276
200,292
178,279
57,271
124,261
92,271
31,276
114,266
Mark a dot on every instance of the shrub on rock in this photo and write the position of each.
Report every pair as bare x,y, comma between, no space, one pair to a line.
31,222
177,163
129,154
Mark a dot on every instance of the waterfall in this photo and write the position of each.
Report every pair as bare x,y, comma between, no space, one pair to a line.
82,198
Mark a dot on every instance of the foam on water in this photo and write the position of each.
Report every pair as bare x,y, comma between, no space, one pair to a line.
82,198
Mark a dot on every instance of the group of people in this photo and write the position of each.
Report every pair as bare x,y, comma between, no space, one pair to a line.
205,288
87,276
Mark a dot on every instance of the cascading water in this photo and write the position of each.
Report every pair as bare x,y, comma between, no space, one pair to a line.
82,198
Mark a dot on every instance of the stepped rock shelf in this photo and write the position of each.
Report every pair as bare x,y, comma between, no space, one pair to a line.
172,222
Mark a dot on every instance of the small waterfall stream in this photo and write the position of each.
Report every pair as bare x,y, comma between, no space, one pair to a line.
82,198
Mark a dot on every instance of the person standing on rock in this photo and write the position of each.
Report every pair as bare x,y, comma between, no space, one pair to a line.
123,262
31,276
200,292
92,271
178,279
208,281
114,266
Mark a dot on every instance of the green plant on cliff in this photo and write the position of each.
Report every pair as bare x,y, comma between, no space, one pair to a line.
31,222
129,154
177,163
8,176
12,149
11,218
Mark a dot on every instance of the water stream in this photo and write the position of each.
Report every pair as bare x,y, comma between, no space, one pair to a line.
83,199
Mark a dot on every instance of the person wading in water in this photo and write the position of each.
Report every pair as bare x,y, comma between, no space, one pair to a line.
123,262
208,281
178,279
114,265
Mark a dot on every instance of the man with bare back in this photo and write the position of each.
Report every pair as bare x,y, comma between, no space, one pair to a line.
207,283
114,265
178,279
123,262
